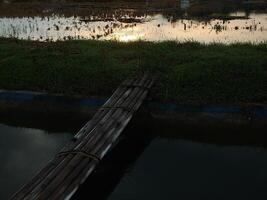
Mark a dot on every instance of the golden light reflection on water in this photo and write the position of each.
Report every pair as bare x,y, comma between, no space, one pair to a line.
125,37
160,29
149,28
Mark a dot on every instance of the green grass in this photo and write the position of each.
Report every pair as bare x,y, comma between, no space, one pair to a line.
188,73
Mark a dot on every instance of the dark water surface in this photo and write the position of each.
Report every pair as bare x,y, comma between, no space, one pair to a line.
181,169
153,160
23,152
206,21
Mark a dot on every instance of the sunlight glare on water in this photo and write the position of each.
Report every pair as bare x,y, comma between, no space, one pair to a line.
156,28
186,22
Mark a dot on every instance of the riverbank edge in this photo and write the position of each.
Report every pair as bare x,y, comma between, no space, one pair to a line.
188,73
38,103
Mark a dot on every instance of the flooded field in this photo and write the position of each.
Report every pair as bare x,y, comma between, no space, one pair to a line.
23,152
184,20
181,169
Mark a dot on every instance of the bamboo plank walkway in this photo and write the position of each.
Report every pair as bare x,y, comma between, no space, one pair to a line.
61,177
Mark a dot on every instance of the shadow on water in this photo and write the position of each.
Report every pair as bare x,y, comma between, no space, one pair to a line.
112,168
143,131
182,169
50,122
108,181
211,132
133,141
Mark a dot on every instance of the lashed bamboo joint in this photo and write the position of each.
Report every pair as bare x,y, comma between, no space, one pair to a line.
61,177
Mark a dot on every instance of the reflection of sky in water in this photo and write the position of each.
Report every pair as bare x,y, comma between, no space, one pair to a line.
23,151
151,28
170,169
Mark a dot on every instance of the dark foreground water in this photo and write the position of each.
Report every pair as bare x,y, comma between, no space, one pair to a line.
23,152
180,169
151,161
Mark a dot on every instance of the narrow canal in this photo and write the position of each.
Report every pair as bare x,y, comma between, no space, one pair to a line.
150,161
155,162
181,169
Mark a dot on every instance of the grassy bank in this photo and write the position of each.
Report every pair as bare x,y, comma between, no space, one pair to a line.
188,73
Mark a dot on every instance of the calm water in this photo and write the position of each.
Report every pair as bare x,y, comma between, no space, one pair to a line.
180,169
143,165
23,152
204,21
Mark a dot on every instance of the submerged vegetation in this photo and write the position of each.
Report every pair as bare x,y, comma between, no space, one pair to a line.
187,72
